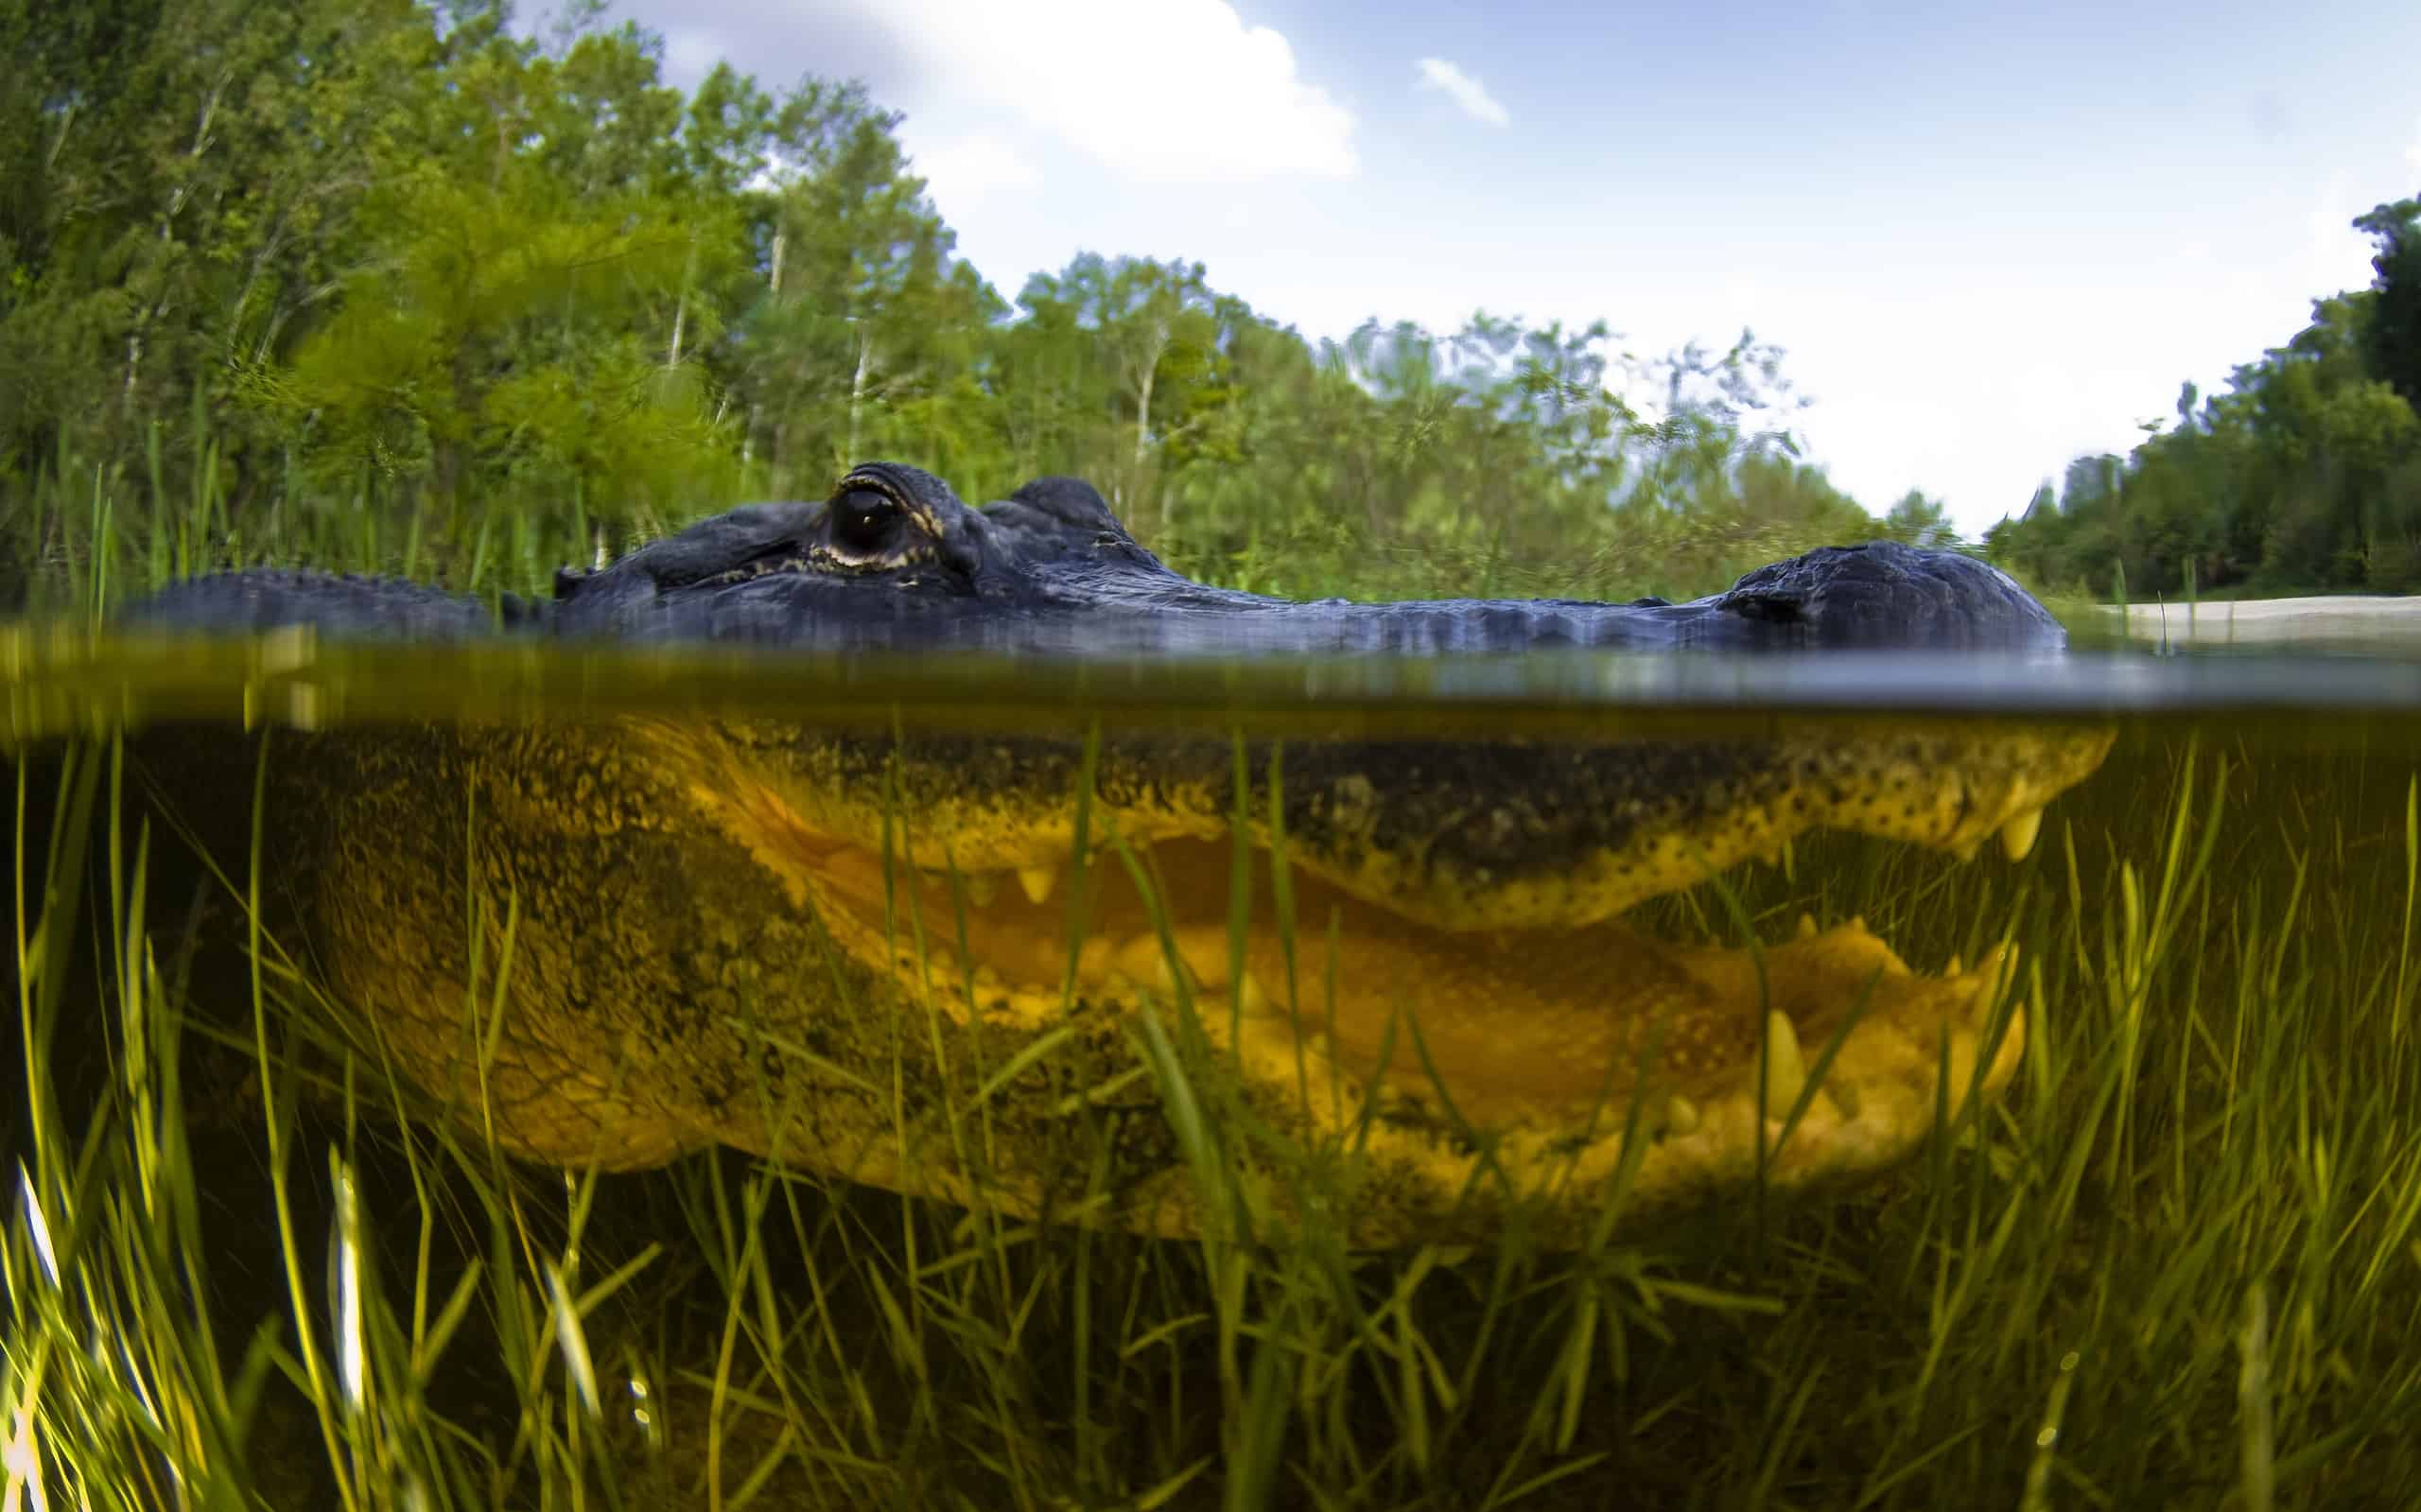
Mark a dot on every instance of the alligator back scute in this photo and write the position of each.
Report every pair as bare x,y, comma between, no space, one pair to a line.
1887,594
339,604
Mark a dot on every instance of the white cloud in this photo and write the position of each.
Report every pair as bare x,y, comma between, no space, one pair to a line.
963,174
1744,303
1175,91
691,53
2337,256
1465,91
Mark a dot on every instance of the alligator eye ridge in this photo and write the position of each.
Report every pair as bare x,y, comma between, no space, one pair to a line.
862,520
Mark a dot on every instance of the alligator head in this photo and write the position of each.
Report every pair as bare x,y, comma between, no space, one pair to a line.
894,559
1037,971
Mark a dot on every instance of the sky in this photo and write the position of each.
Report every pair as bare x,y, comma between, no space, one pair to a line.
1989,237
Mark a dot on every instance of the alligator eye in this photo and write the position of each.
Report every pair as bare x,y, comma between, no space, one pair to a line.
862,520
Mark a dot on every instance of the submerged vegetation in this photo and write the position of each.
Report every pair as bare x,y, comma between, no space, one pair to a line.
2180,1263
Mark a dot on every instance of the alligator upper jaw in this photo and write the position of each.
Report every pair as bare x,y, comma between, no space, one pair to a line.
1412,1040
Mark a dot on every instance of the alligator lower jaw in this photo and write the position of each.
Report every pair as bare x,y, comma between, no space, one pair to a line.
1537,1052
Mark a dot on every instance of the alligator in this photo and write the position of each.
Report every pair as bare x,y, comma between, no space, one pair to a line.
1153,977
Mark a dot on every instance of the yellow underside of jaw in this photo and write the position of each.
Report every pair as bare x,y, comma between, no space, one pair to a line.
1409,1041
1435,1048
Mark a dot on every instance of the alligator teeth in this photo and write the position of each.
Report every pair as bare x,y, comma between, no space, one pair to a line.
2017,836
1680,1114
1095,959
1201,953
1965,1069
1249,998
1996,967
1785,1071
1143,960
1037,883
1968,852
979,888
1808,926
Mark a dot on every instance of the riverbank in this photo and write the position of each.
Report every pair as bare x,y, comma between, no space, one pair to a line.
2258,621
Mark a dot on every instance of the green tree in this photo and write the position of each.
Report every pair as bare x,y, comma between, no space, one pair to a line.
1917,520
518,315
2391,339
865,318
1154,326
410,260
177,183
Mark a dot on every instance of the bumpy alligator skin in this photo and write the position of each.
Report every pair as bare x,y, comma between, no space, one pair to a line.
894,560
890,956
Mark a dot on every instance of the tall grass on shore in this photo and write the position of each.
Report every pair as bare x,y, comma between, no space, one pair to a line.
83,539
2178,1266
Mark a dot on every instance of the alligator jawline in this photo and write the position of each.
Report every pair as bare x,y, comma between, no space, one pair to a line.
1537,1034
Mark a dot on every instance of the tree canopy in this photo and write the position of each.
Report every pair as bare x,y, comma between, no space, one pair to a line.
397,260
2306,474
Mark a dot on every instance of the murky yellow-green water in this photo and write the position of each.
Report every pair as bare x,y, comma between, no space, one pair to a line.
2175,1257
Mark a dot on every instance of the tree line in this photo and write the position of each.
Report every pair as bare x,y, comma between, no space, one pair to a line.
2306,474
325,258
293,262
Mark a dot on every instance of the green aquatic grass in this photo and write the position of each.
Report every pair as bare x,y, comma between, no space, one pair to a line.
2177,1265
